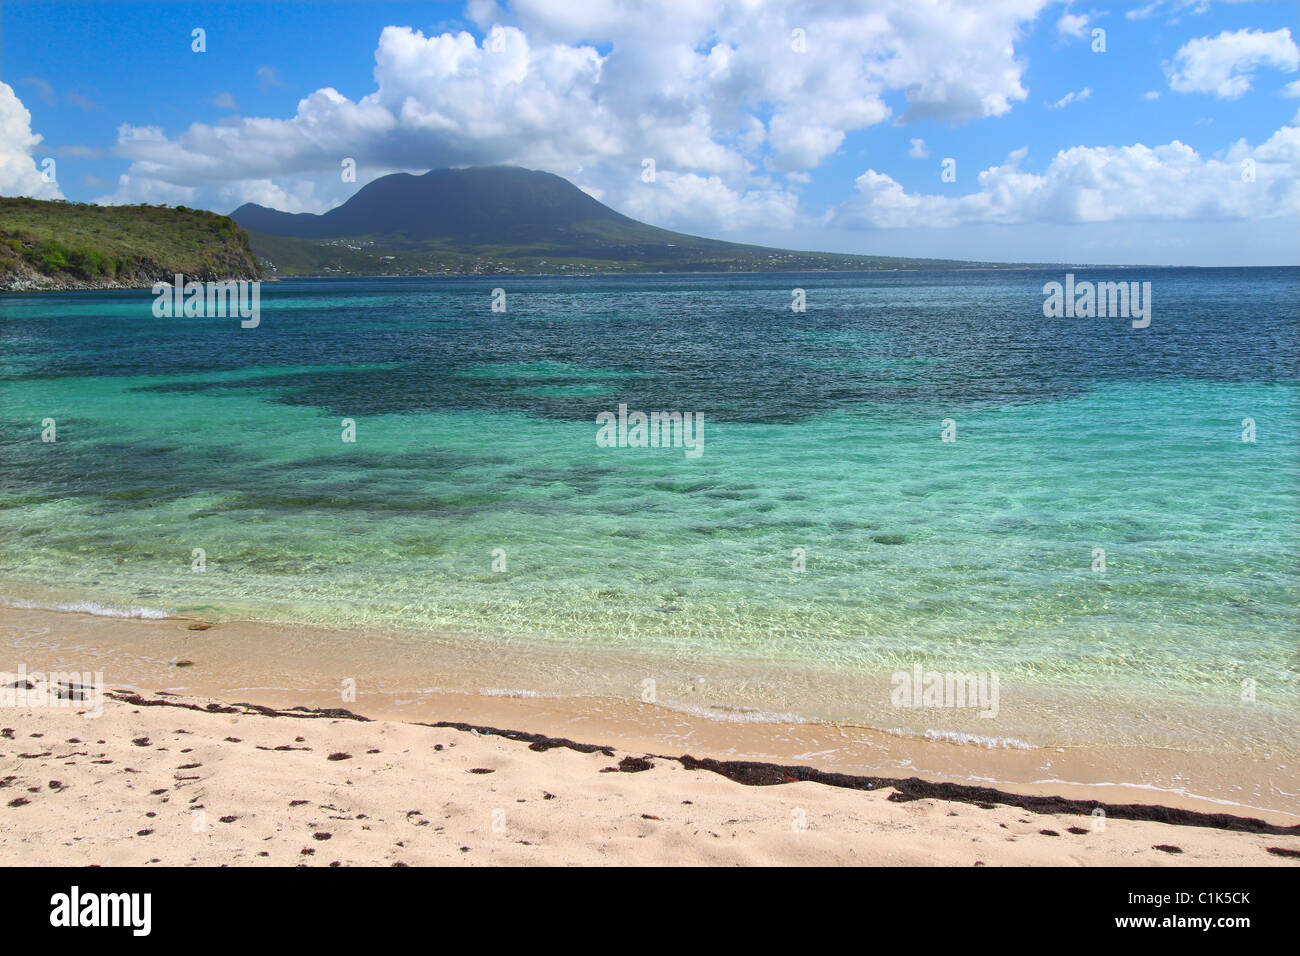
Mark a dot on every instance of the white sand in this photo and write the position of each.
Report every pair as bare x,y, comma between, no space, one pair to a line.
174,786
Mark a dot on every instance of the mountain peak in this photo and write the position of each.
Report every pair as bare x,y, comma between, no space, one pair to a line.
476,204
499,219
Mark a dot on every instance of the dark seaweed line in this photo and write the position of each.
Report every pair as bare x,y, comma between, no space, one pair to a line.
763,774
337,713
754,774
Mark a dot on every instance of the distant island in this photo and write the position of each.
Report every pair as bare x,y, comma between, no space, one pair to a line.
489,220
485,220
54,245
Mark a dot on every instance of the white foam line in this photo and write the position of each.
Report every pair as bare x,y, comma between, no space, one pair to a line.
89,607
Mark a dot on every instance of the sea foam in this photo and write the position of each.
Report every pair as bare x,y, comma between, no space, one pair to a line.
89,607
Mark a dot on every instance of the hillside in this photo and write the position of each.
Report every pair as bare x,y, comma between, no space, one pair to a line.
503,219
480,205
61,245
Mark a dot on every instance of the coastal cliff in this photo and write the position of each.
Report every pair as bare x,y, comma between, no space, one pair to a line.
56,245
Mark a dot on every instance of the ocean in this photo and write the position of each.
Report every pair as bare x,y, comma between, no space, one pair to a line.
921,469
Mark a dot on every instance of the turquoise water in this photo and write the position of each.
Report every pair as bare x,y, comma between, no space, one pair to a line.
476,431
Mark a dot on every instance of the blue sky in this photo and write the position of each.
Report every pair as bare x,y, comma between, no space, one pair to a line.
753,139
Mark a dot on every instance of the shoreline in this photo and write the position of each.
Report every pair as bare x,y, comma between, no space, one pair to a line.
413,683
23,284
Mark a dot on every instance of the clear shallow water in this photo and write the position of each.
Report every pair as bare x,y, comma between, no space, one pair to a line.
476,431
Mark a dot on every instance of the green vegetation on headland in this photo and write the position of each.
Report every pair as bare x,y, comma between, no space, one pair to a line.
61,245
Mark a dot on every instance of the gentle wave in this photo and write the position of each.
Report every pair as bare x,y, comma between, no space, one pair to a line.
89,607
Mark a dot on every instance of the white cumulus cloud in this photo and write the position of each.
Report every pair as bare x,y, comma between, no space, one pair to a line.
1069,98
700,202
19,174
1074,25
1101,184
1225,65
718,92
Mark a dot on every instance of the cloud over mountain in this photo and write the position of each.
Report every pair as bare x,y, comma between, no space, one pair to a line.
725,96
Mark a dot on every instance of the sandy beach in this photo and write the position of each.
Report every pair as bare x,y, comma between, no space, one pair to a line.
283,778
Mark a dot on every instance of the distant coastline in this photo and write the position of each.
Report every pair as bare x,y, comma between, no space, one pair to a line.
22,282
56,246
